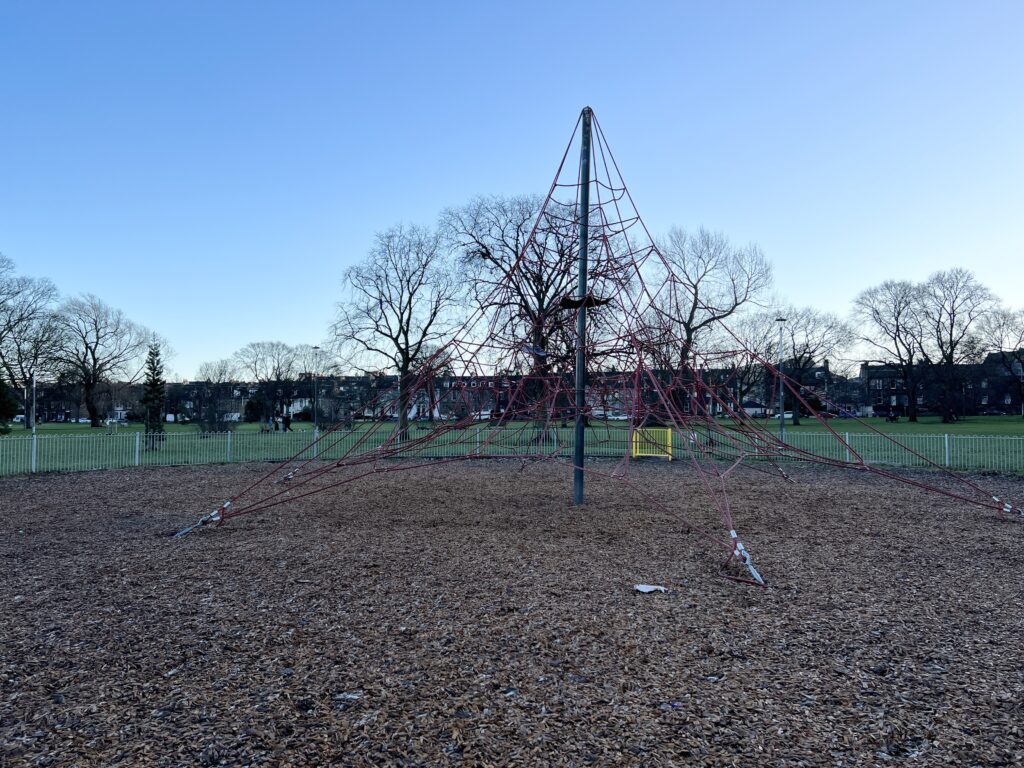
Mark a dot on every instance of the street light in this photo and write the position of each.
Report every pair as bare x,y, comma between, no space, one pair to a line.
782,387
316,407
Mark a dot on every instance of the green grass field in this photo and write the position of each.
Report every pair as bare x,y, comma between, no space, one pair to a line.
984,443
60,428
927,425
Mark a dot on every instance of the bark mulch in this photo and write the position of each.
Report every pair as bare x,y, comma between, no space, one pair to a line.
466,614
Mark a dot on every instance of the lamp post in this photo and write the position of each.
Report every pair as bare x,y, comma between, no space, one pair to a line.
316,404
782,387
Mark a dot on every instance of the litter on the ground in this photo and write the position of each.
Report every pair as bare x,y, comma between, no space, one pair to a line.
645,588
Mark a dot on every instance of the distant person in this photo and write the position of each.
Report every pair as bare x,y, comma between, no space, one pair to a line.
286,422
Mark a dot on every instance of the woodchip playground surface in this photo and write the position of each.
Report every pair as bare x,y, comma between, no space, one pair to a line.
467,614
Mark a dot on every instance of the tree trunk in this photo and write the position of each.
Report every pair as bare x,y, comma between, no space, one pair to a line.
912,388
403,402
89,395
796,403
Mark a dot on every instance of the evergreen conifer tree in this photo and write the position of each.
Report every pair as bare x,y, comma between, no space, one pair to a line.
154,392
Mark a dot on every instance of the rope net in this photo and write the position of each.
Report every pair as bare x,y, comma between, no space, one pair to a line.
507,374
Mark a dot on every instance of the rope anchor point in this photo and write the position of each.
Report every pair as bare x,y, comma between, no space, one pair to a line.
213,517
741,554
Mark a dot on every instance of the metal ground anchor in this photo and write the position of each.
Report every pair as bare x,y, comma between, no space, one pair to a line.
741,554
213,517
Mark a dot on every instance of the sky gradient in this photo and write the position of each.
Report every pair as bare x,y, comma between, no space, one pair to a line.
212,168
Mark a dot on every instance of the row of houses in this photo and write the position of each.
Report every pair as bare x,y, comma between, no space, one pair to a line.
989,387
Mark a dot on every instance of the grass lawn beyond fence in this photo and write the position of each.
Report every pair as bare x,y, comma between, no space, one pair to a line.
992,443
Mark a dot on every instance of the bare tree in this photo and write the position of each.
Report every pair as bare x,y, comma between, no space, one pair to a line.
311,359
218,371
272,365
7,289
952,304
28,331
706,280
1002,331
811,338
97,344
890,321
750,341
264,361
213,391
519,279
399,302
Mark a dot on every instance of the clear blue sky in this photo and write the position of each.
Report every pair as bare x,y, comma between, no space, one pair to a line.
211,168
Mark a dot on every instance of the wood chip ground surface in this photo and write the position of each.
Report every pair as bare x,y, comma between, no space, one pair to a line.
466,614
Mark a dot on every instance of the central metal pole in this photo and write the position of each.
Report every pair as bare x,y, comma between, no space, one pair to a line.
782,386
581,318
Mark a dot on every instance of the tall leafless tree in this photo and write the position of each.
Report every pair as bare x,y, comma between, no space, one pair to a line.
509,275
810,338
272,364
218,371
214,392
266,361
889,319
706,280
952,304
750,341
1002,332
399,302
520,259
98,344
318,359
28,331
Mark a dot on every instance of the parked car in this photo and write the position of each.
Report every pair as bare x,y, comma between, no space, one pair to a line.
84,420
19,418
992,412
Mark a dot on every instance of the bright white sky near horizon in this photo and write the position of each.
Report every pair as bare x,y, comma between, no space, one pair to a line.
212,168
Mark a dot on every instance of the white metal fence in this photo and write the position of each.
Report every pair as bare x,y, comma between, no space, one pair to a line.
68,453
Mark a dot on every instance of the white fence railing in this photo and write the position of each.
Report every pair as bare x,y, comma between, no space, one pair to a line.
69,453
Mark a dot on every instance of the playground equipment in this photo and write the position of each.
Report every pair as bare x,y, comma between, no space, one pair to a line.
603,323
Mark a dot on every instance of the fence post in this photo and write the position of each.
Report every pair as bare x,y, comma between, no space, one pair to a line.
229,446
946,436
33,461
846,439
138,441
